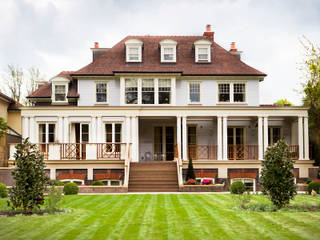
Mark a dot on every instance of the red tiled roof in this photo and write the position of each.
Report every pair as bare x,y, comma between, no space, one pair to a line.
12,103
45,90
222,62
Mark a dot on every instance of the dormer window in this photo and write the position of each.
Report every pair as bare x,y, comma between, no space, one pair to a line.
59,90
133,50
168,50
202,51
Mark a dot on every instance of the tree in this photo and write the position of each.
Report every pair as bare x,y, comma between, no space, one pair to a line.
14,80
30,178
190,171
34,76
277,178
283,102
310,68
3,127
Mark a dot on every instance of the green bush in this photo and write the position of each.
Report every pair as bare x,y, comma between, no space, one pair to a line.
97,183
56,183
53,200
261,207
3,190
314,186
237,187
70,189
190,171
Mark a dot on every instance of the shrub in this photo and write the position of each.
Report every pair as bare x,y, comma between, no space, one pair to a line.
3,190
30,178
314,186
54,197
191,182
56,183
97,183
261,207
207,181
190,171
70,189
277,178
242,200
237,187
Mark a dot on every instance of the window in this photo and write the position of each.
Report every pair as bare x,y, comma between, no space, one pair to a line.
194,92
168,53
250,183
203,54
164,91
60,93
168,50
192,142
147,91
101,93
239,92
203,51
232,92
47,132
274,134
84,133
113,132
133,50
224,92
131,88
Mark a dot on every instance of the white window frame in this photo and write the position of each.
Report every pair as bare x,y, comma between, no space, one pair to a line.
200,90
107,92
168,43
243,180
54,93
156,91
113,131
47,131
271,133
109,182
231,84
73,180
202,44
133,43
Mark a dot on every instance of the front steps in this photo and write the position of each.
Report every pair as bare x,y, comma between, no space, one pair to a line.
153,177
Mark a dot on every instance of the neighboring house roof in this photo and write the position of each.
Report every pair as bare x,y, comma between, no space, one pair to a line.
13,105
222,62
45,90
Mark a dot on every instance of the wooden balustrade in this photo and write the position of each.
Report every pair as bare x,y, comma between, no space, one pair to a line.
294,150
202,152
109,151
242,152
73,151
44,149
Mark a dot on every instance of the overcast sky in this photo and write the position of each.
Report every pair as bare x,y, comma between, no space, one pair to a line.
56,35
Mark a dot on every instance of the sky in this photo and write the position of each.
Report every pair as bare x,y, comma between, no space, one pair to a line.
56,35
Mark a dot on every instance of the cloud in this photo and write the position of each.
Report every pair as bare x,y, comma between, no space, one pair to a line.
56,35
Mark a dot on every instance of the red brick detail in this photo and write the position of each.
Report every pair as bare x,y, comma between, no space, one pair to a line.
202,173
243,173
108,175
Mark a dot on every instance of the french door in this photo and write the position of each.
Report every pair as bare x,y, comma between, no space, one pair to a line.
163,143
236,143
82,137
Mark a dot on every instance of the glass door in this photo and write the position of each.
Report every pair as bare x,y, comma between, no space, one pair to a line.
163,143
235,143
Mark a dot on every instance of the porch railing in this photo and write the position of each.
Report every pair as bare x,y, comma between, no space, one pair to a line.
294,150
109,151
203,152
242,152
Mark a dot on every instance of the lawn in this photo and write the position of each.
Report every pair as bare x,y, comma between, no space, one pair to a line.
176,216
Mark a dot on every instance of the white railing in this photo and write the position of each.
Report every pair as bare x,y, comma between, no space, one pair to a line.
81,151
127,165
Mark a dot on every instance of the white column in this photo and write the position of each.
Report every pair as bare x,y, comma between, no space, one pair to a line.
135,138
90,173
219,137
179,136
32,130
99,130
225,138
260,138
52,174
128,130
59,137
184,139
265,133
25,127
66,130
93,130
300,137
306,138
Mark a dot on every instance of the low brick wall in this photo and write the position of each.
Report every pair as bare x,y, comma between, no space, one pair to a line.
202,188
102,189
5,176
301,187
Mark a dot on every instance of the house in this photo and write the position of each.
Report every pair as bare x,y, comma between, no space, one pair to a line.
10,112
136,114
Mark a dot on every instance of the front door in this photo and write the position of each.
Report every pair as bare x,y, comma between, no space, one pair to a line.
163,143
235,143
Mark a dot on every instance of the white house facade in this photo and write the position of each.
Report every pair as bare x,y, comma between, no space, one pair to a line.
161,100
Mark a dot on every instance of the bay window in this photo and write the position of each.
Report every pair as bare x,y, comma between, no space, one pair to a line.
232,93
147,91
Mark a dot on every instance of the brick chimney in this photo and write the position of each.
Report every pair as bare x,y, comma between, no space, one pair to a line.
96,51
208,33
234,51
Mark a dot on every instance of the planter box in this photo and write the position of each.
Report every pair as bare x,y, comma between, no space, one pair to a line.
203,188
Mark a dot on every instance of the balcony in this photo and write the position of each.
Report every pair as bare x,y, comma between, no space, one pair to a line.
81,151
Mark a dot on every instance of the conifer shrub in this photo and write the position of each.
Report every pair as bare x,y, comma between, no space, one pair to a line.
70,189
190,172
